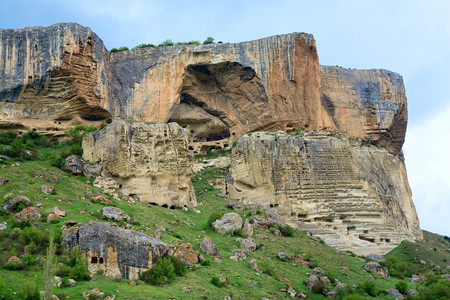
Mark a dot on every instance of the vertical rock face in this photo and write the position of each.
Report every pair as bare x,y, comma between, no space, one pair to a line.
118,252
51,77
368,104
151,161
355,196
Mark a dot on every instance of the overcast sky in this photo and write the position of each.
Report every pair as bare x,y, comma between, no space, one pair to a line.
405,36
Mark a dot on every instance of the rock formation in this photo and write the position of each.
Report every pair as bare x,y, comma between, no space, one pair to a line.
355,196
151,161
118,252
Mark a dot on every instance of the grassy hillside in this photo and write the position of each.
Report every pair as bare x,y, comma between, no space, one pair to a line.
73,193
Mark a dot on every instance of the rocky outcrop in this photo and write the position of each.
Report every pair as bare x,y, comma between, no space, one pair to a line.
118,252
228,223
151,161
54,77
355,196
11,204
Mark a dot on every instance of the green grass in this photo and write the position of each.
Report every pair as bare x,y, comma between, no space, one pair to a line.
72,195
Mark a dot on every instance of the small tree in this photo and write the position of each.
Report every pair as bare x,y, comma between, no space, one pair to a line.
209,40
166,43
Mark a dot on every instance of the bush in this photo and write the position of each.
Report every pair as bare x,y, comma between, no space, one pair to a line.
162,273
32,293
286,230
114,50
214,216
206,262
209,40
216,281
32,234
166,43
123,48
14,266
402,287
5,294
177,235
436,290
180,268
369,288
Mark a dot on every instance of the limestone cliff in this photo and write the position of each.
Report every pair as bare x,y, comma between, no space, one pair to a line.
51,78
354,195
150,161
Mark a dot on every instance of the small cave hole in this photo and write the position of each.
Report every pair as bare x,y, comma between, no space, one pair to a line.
190,148
306,125
271,205
301,216
94,260
365,231
165,205
101,260
120,186
351,228
172,207
388,240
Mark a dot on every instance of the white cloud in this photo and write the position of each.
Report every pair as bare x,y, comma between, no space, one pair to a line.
428,163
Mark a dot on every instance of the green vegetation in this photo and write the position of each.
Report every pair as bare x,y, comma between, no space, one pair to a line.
169,276
209,40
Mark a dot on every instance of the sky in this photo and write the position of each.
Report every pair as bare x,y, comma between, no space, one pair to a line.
410,37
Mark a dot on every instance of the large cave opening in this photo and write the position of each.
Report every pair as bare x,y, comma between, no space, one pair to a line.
219,100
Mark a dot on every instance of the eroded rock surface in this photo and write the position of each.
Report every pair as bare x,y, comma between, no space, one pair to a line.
119,252
356,197
151,161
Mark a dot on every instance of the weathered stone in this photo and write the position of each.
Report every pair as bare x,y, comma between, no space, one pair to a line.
270,219
53,216
118,252
253,264
151,161
4,181
70,223
376,257
46,190
394,293
114,213
377,268
247,244
57,281
14,259
357,181
417,279
59,211
3,226
93,294
228,223
247,228
318,271
72,282
102,199
208,246
283,256
92,170
312,282
241,254
73,165
9,206
187,254
28,214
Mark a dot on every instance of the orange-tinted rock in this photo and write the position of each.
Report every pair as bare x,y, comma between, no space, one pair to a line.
30,213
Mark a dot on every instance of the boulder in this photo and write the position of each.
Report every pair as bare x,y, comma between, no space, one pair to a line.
4,181
92,170
208,246
270,219
318,271
187,254
14,259
59,211
228,223
313,282
57,281
3,226
46,190
93,294
240,254
27,214
417,279
9,206
73,165
247,228
377,268
52,216
395,293
247,244
283,256
253,265
101,199
119,252
114,213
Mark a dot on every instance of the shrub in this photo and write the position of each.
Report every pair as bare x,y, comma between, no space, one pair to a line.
123,48
18,207
286,230
162,273
76,149
177,235
402,287
14,266
209,40
114,50
31,293
31,234
268,269
369,288
100,272
436,290
80,271
206,262
166,43
216,281
30,248
7,137
180,268
214,216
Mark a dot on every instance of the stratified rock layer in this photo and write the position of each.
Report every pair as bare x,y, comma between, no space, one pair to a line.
355,196
118,252
151,161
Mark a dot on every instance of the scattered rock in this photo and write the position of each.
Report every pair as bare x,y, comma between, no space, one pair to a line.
57,281
71,223
93,294
254,265
422,262
394,293
187,254
132,282
277,232
73,165
186,289
283,256
247,228
46,190
236,205
339,289
92,170
417,279
7,195
160,227
54,297
52,216
228,223
101,199
270,219
59,211
9,206
14,259
208,246
39,205
28,214
313,282
241,254
114,213
247,244
289,290
377,268
4,181
72,282
325,280
412,292
3,226
318,272
158,234
376,257
234,258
